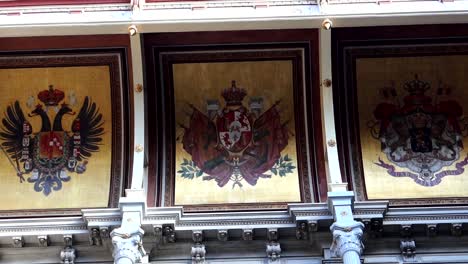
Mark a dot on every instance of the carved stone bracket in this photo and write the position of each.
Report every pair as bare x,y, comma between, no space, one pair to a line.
95,237
197,236
169,234
373,227
223,235
313,226
408,248
68,240
273,234
432,230
18,242
406,230
456,229
104,231
198,253
127,242
158,233
247,234
273,251
43,241
301,230
68,255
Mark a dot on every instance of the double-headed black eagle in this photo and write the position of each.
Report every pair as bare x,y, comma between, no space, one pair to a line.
49,153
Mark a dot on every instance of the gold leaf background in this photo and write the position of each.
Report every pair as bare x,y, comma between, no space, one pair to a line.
375,73
90,189
197,82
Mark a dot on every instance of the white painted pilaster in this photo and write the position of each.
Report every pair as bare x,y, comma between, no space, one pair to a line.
331,153
139,113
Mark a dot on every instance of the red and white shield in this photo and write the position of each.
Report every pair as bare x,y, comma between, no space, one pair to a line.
51,144
234,130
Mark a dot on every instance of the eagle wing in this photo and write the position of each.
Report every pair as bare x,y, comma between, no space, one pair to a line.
12,131
90,128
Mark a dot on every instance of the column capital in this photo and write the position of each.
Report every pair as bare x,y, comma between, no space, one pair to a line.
128,239
347,238
128,244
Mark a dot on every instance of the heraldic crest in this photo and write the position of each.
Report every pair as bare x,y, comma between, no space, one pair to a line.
48,154
235,143
422,134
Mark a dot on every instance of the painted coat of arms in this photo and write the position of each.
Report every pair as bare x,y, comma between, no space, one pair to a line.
422,135
51,152
235,143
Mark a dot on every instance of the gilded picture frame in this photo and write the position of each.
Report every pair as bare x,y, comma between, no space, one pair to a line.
64,132
400,106
216,102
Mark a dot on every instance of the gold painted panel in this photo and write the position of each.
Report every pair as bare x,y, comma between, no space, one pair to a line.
87,189
381,83
199,86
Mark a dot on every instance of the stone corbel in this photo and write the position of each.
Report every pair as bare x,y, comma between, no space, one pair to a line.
198,249
197,236
408,249
68,255
104,231
18,242
43,241
223,235
95,237
68,240
272,234
456,229
198,253
169,234
373,228
273,248
273,251
313,226
432,230
247,234
301,230
158,233
406,230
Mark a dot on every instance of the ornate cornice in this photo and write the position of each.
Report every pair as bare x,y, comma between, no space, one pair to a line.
426,215
302,217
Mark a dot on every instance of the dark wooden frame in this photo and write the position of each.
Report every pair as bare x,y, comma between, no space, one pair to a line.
161,50
96,51
349,44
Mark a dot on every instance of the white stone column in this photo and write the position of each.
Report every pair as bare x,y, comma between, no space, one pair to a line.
351,257
128,239
347,233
